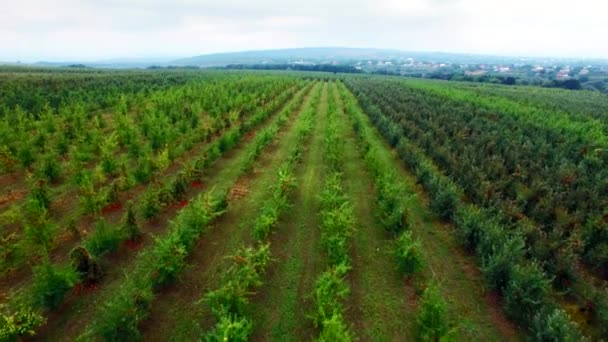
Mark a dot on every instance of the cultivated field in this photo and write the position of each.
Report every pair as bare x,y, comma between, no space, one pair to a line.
233,206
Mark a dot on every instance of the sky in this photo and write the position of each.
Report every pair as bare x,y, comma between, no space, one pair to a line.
93,30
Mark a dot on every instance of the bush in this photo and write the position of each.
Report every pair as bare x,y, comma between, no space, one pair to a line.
39,235
169,254
555,326
243,276
526,293
130,227
471,224
151,206
391,204
444,199
103,239
497,264
334,329
51,282
330,290
39,194
23,322
230,328
51,169
432,317
120,318
407,253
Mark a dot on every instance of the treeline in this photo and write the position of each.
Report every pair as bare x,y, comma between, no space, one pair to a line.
299,67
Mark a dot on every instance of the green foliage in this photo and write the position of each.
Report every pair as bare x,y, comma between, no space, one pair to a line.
526,293
391,202
21,323
499,260
40,234
129,226
408,253
151,205
11,252
103,239
51,282
230,328
335,330
39,195
554,326
432,318
330,290
336,220
242,276
50,168
120,316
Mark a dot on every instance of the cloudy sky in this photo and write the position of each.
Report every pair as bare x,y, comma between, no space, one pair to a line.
32,30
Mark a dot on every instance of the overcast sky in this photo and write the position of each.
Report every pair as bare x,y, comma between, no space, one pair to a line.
32,30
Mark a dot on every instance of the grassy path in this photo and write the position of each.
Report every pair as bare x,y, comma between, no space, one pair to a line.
386,305
382,307
176,314
280,308
69,320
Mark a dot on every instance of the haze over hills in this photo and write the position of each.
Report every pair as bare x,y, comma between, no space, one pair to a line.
340,55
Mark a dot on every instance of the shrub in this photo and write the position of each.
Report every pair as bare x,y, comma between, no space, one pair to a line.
39,235
120,318
39,194
11,252
169,254
444,199
330,290
391,204
51,282
151,206
230,328
432,317
23,322
241,277
334,329
130,227
51,169
407,253
103,239
555,326
26,154
497,264
526,293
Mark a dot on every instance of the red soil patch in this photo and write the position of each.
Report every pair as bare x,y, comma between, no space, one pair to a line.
84,289
12,196
197,185
133,245
112,207
182,203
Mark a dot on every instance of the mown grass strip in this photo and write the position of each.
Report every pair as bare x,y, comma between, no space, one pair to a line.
228,303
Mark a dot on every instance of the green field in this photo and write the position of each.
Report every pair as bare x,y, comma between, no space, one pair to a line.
180,205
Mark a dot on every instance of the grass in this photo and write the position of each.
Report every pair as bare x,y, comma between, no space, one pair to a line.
279,311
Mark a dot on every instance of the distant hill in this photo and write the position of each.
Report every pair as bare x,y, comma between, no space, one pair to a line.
339,55
327,55
319,55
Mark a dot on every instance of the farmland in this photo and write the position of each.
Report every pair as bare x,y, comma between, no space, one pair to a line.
241,205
